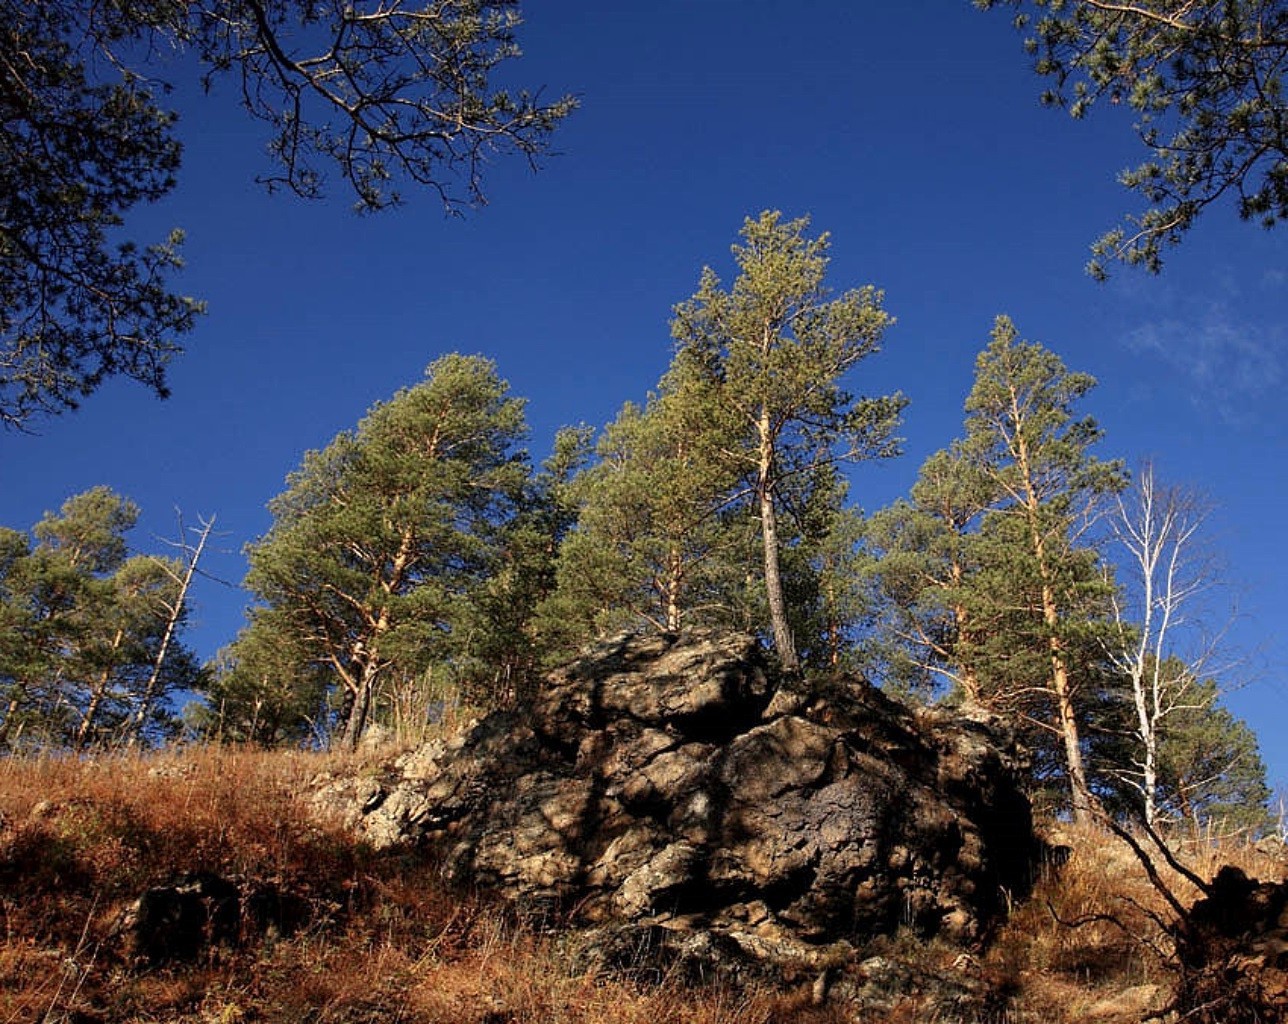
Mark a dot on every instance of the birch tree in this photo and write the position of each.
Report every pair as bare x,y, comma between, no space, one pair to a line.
1158,643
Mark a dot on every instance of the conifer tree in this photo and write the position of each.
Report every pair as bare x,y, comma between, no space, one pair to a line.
381,98
774,350
81,628
1205,81
920,566
266,688
656,542
1023,438
1210,772
381,537
505,638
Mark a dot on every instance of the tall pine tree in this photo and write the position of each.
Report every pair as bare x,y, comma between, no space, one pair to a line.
1024,438
775,350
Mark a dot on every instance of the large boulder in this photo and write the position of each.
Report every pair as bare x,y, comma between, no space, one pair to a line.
671,786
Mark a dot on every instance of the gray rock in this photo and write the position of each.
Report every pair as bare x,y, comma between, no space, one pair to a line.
668,791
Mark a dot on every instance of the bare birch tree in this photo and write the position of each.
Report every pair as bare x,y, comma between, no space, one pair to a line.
1156,642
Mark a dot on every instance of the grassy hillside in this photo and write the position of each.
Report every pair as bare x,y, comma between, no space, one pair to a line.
368,937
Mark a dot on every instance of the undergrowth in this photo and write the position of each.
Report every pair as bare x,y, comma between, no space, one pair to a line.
381,938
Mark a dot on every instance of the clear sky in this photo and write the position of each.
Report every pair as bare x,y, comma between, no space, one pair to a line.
911,131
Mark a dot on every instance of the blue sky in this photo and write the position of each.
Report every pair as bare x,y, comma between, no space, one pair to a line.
912,132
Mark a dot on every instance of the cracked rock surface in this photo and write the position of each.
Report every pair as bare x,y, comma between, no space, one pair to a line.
671,786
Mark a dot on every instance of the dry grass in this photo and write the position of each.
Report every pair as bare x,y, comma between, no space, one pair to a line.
384,940
1091,943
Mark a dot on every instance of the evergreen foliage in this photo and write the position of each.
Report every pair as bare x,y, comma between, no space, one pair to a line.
81,629
1206,82
773,352
382,540
392,94
659,542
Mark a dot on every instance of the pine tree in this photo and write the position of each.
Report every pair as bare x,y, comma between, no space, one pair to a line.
1206,82
774,350
920,564
1210,772
266,688
381,537
505,639
656,544
81,650
1022,437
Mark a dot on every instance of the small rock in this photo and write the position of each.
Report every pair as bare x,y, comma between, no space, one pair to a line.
182,920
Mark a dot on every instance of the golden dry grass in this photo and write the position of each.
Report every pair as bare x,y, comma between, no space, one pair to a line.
385,940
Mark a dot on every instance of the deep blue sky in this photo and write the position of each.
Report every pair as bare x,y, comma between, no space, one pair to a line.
910,131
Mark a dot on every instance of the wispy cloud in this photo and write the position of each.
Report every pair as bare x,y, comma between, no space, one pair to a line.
1229,359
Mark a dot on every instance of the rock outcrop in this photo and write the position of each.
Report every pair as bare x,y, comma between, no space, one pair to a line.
671,793
1232,952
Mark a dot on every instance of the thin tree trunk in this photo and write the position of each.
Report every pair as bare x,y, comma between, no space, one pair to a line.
674,581
1079,789
1147,727
1061,684
784,642
6,725
967,677
146,698
96,699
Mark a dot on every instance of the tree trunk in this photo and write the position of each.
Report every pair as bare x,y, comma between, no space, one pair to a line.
96,699
1148,733
967,677
783,640
366,652
139,719
356,723
674,581
6,724
1079,789
1061,684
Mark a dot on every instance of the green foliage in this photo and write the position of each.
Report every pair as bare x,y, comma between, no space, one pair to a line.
986,581
1210,771
76,154
657,542
920,556
397,95
1206,82
1038,575
262,689
382,539
504,640
81,629
772,352
738,449
1209,781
